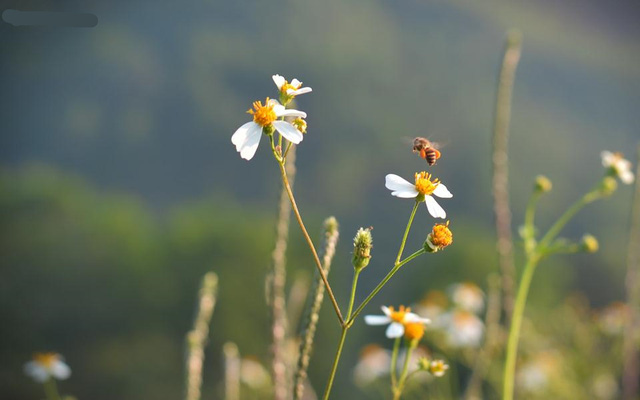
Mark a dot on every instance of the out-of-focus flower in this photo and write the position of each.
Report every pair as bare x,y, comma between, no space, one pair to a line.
432,305
618,166
289,90
417,355
414,331
613,318
463,328
253,373
247,137
423,189
47,365
543,184
374,363
535,374
467,296
438,368
439,238
396,320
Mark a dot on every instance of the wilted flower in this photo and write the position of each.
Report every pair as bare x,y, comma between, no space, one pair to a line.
374,362
289,90
423,189
47,365
618,166
395,319
247,137
463,328
467,296
439,238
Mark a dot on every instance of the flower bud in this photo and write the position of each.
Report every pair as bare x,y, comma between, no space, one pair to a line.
439,238
414,331
300,125
424,364
542,184
268,130
589,244
438,368
362,244
608,186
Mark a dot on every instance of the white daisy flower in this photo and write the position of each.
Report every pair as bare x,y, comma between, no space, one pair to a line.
463,328
395,319
424,187
374,363
468,296
618,165
289,90
45,366
247,137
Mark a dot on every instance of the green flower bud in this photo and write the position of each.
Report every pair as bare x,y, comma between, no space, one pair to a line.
424,364
362,244
608,186
268,130
589,244
542,185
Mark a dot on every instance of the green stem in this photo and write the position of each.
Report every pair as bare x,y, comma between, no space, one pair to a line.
406,232
314,253
394,361
397,391
381,285
51,390
514,331
343,336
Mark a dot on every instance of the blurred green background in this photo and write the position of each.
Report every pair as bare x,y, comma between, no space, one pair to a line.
120,187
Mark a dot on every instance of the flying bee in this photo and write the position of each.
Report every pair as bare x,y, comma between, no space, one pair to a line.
427,149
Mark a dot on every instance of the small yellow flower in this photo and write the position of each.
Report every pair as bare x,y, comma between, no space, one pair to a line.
413,331
439,238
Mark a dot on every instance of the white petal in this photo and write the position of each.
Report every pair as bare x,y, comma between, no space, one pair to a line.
36,371
408,194
288,112
60,370
626,177
434,208
386,310
394,182
411,317
298,92
607,158
442,191
395,330
288,131
278,80
296,83
249,147
376,319
240,135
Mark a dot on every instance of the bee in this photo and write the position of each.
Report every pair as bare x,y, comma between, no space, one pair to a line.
427,149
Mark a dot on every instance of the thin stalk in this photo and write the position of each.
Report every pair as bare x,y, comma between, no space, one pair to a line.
406,232
397,391
343,336
631,364
566,217
394,361
514,331
331,233
381,285
276,287
500,158
285,182
51,389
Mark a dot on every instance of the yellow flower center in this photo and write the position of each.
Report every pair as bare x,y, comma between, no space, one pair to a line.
398,316
441,236
45,359
288,86
263,115
414,330
424,185
438,367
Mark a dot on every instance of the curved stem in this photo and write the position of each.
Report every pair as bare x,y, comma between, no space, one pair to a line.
562,221
406,232
294,206
381,285
343,336
514,330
